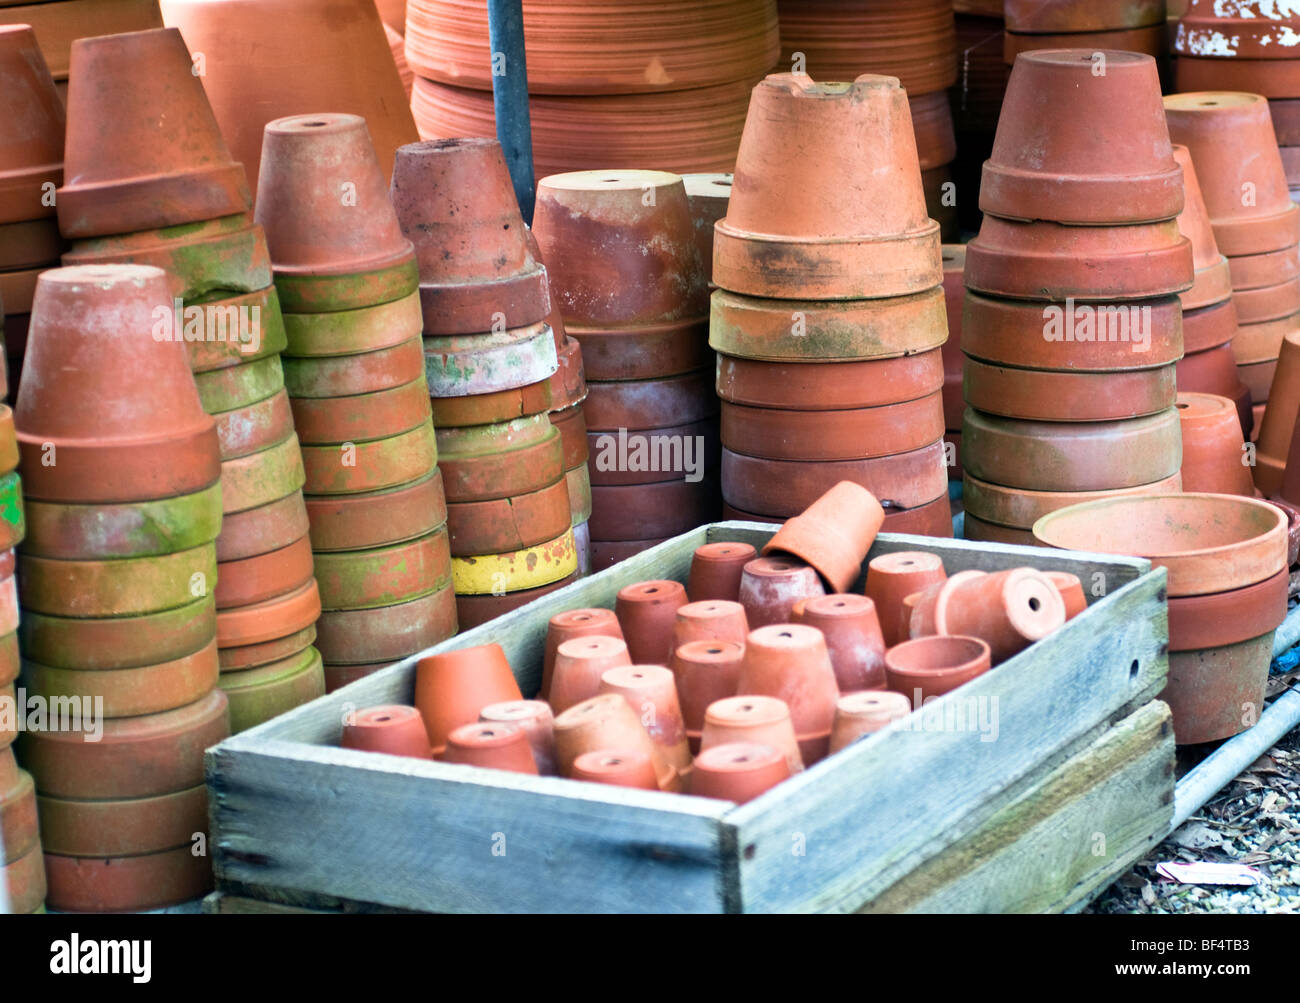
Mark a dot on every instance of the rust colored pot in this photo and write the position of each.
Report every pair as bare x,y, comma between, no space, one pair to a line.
1148,41
833,534
1100,151
988,532
572,426
239,387
860,714
455,202
1209,327
704,672
662,509
246,430
1008,610
464,365
31,153
490,745
791,662
1251,271
618,767
607,553
1237,31
127,828
761,720
1285,114
493,408
387,633
348,375
126,884
1033,17
1043,395
770,587
707,195
716,570
473,610
607,722
163,160
862,231
111,642
1048,261
152,439
1231,140
580,662
1224,618
738,771
1071,590
573,624
642,352
651,692
478,472
24,881
307,294
373,466
1277,428
453,687
1213,446
710,620
257,579
861,433
495,527
919,607
355,522
254,656
647,611
127,586
1214,693
1208,543
1213,283
893,577
1255,306
535,720
852,630
932,666
382,576
829,386
650,404
19,831
1214,371
31,244
333,420
353,332
1019,508
1257,377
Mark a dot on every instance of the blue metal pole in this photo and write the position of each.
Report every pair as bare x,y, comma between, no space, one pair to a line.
510,97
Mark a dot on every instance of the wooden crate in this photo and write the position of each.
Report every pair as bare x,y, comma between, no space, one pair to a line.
1075,786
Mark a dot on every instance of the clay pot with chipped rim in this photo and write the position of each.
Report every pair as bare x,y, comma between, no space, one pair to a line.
162,161
791,662
710,620
1213,446
865,713
1071,589
536,720
863,230
618,767
893,577
851,627
1213,282
651,691
1253,30
395,729
579,664
647,611
568,625
455,202
153,439
1207,542
737,771
716,569
935,665
1232,143
833,534
704,671
770,586
490,745
762,720
607,721
31,150
451,688
1008,610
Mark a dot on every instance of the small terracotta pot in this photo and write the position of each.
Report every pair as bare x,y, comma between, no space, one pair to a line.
919,607
1071,589
710,620
1275,431
770,586
394,729
1009,610
453,687
492,746
647,611
932,666
568,625
607,722
580,662
738,771
753,719
1213,446
834,533
851,627
865,713
621,768
791,662
535,719
893,577
705,672
651,692
1214,693
716,569
32,151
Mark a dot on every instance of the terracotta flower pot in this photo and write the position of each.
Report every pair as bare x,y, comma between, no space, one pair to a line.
1213,283
770,586
1209,327
607,722
31,153
492,746
1213,446
132,827
535,719
621,768
1223,618
760,720
707,195
453,687
659,509
394,729
1075,114
474,610
933,666
580,662
1214,371
919,608
829,385
1214,693
716,569
1236,31
1033,17
1275,431
865,713
1071,589
893,577
1251,271
387,634
163,162
833,534
257,695
568,625
872,238
647,611
704,671
1008,610
791,662
737,771
1039,395
851,627
710,620
651,692
126,884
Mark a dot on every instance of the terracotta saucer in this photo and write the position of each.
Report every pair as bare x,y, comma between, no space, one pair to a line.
346,375
830,385
252,656
493,408
833,435
373,466
1254,271
122,587
504,524
1064,396
503,474
378,415
118,642
353,332
1262,342
257,695
263,529
239,386
1267,302
642,353
460,365
383,576
386,633
373,519
251,429
1210,326
254,579
243,328
260,478
356,291
271,619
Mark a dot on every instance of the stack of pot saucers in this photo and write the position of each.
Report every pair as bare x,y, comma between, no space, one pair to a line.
354,367
118,575
1072,400
1227,562
829,313
1128,25
489,357
1232,143
627,279
150,181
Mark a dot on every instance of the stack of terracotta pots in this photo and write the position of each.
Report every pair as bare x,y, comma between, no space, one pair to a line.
631,288
1232,143
489,356
117,582
22,864
597,74
913,40
354,366
1226,557
152,182
31,163
1068,400
829,362
1128,25
954,406
976,99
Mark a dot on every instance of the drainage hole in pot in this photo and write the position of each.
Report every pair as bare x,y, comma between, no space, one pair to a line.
1180,406
384,717
747,707
785,633
1133,669
314,125
715,651
1034,604
841,604
741,758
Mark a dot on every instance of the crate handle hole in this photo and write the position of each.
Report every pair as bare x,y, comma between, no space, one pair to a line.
1133,669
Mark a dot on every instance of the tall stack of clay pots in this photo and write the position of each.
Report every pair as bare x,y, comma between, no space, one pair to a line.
117,580
829,313
1128,25
631,288
1232,143
1072,325
149,180
269,59
354,366
976,98
954,406
913,40
661,85
490,356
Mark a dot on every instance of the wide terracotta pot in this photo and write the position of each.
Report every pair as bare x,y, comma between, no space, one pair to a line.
387,633
651,692
1210,326
1100,150
1215,693
1213,283
1036,18
716,570
490,745
660,509
1251,271
1213,453
829,385
871,238
126,884
1018,509
737,771
618,767
1207,542
792,663
707,195
131,827
1236,31
893,577
394,729
608,722
762,720
704,671
1044,395
536,720
1008,610
568,625
163,161
851,627
31,151
580,662
860,714
1224,618
932,666
1148,41
850,434
453,687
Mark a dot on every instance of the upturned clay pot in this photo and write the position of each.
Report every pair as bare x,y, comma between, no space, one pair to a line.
1209,327
394,729
919,607
716,569
126,884
1214,693
829,385
1100,153
568,625
453,687
1008,610
1213,283
770,587
163,161
607,722
580,662
932,666
647,611
851,627
1040,395
31,152
621,768
893,577
651,692
1232,143
535,719
865,713
1213,446
1207,542
1071,589
833,534
710,620
760,720
490,745
88,343
455,202
704,671
791,662
737,771
871,237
